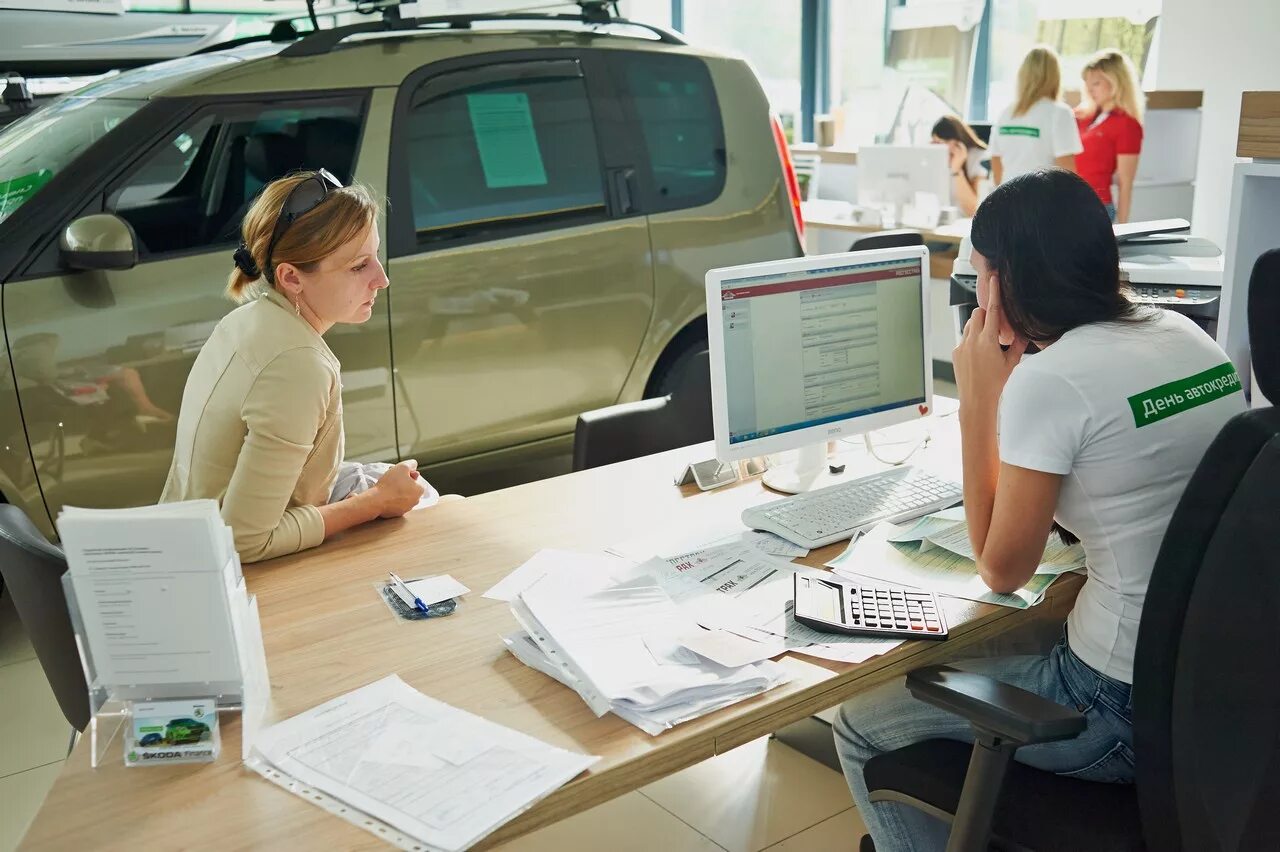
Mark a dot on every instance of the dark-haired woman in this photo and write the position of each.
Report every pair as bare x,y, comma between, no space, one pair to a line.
1099,431
967,153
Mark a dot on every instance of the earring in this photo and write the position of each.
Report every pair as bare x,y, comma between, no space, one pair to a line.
297,311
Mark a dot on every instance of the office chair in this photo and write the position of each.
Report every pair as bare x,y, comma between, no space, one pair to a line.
901,238
1206,701
32,570
633,429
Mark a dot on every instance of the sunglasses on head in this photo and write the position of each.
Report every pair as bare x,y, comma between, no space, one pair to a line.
304,198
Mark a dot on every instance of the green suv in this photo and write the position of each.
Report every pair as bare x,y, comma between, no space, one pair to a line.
555,197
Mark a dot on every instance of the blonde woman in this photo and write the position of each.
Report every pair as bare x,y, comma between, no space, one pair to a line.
1039,130
260,428
1110,120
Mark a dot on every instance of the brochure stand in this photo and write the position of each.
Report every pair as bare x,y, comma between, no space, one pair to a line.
111,703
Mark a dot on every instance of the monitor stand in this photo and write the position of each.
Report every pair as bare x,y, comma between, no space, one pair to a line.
808,472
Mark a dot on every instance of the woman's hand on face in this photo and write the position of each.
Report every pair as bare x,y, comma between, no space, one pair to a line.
982,366
957,156
399,489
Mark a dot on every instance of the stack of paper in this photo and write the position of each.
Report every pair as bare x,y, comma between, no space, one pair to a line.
934,553
410,769
622,643
161,598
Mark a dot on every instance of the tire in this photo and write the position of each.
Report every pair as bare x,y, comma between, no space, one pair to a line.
668,374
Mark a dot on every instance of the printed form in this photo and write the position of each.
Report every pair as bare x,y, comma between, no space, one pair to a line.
441,775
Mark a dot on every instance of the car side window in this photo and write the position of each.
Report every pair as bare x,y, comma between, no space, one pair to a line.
679,116
506,146
192,192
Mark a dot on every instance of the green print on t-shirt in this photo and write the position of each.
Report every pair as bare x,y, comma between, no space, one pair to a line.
1014,130
1183,395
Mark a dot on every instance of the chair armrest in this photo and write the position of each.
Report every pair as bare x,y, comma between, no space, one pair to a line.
1013,714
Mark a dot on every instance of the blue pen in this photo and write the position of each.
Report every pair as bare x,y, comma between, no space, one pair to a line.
417,601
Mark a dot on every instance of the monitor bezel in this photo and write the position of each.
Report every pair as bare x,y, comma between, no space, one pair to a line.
835,430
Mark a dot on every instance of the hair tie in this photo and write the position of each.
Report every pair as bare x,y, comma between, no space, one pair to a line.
245,263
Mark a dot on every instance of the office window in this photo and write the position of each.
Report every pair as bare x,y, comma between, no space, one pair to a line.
656,12
764,32
1075,28
931,49
680,121
860,104
502,146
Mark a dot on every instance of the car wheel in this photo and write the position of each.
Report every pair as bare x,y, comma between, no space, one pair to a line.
668,374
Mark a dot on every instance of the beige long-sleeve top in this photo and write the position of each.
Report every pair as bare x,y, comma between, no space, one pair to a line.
260,429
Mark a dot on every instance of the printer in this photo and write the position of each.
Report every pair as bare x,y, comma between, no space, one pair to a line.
1160,263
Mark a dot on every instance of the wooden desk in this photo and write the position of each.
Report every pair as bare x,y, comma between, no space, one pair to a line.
327,632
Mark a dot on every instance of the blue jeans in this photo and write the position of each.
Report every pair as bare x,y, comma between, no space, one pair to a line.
888,718
1111,211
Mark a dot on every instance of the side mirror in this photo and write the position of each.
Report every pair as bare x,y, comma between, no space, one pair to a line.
100,241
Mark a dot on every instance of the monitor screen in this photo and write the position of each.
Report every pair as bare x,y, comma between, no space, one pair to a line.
806,348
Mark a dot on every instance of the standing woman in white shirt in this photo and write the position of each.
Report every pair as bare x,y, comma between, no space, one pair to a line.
1039,130
1099,432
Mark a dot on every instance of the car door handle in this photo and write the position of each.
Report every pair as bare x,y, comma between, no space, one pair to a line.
620,184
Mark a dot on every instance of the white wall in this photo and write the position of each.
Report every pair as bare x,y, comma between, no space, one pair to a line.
1223,48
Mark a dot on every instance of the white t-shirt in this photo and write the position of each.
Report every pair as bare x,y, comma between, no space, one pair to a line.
1034,139
973,169
1123,412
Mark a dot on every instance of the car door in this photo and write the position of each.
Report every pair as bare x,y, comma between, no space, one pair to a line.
101,357
521,278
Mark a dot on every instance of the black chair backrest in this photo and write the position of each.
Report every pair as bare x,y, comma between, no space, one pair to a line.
902,238
33,569
634,429
1205,692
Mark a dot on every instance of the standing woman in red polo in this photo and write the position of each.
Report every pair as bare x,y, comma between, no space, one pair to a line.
1110,120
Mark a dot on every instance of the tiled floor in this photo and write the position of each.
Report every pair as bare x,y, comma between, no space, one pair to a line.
33,733
760,796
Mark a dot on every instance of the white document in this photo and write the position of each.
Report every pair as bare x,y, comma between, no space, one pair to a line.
937,569
949,531
606,638
803,639
544,562
703,537
443,776
730,585
729,649
152,585
431,590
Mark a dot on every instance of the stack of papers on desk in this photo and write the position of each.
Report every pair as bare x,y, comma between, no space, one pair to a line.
389,759
161,597
934,553
621,642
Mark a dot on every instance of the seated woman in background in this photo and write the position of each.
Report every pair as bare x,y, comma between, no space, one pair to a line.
1072,435
967,155
260,428
1039,130
1110,120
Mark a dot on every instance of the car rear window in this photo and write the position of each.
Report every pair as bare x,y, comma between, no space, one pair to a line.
679,115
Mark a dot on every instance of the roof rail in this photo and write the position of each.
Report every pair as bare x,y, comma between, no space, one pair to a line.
593,13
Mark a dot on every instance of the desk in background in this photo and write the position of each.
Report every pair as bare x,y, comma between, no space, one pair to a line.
327,632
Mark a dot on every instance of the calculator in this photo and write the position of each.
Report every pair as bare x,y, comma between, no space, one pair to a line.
836,606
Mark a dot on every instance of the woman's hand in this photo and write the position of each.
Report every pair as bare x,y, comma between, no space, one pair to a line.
982,367
957,158
399,490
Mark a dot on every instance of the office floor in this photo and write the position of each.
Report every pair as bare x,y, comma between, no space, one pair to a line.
761,796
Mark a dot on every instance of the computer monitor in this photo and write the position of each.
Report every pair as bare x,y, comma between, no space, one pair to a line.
893,174
813,349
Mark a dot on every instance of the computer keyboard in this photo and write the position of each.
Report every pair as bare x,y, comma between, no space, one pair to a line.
838,511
